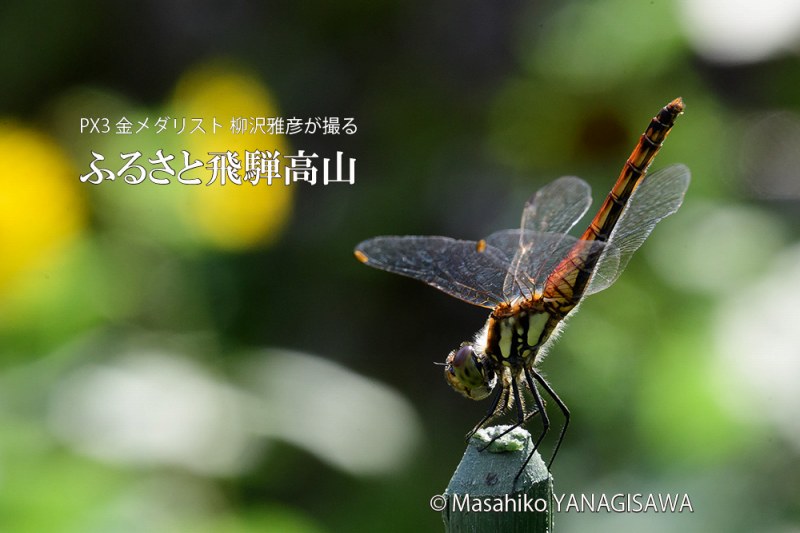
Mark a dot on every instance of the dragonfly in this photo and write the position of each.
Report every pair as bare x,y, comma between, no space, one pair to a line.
535,276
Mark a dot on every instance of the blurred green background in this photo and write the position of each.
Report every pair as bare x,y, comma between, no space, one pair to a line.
177,358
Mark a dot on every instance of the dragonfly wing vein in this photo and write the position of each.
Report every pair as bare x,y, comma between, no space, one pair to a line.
657,197
557,207
466,270
539,256
554,209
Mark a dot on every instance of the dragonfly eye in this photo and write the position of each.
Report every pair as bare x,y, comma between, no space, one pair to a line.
462,355
468,373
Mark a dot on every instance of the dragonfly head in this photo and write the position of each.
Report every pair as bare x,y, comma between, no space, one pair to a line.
467,372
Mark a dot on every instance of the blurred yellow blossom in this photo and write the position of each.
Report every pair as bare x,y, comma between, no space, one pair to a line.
41,207
231,216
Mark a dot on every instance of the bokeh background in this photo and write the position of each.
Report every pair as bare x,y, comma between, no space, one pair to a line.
177,358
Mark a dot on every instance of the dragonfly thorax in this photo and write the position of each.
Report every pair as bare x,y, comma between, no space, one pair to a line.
507,344
512,340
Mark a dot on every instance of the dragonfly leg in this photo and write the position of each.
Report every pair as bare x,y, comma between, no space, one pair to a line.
498,405
522,416
561,405
545,419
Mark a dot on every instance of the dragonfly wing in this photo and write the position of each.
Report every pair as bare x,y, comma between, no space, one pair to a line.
471,271
557,206
548,215
657,197
540,254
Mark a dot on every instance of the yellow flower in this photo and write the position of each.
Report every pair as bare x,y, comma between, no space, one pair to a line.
231,216
41,206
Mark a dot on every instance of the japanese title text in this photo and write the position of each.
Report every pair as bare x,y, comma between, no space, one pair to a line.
224,168
236,125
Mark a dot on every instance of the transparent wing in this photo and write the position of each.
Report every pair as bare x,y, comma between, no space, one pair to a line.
541,254
657,197
471,271
557,206
548,215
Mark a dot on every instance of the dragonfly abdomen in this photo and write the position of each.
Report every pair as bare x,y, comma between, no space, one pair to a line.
568,281
633,172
